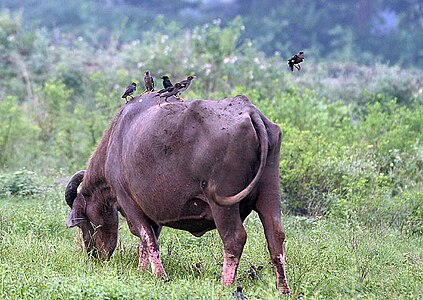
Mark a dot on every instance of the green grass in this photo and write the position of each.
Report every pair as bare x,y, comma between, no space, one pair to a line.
326,259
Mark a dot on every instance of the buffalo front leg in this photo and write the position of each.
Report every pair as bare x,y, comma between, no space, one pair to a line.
233,235
141,226
143,261
151,243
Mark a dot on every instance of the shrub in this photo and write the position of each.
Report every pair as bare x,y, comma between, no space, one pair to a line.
15,129
21,183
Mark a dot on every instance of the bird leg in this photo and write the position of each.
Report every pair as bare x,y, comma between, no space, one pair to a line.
298,67
168,101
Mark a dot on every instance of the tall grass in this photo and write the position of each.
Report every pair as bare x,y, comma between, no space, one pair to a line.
326,259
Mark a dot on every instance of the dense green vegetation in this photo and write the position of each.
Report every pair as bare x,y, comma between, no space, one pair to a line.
351,165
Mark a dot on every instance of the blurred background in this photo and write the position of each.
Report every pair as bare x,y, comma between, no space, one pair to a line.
388,31
352,118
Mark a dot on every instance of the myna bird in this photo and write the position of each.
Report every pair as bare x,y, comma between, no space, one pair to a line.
254,272
186,83
238,294
166,82
295,61
148,82
170,91
130,89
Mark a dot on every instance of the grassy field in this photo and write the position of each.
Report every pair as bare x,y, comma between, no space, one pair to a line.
326,259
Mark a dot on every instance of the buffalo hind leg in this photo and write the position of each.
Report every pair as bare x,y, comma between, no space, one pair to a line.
268,207
275,236
234,236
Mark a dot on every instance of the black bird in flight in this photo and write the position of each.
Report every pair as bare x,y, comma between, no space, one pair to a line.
166,82
295,61
130,89
148,82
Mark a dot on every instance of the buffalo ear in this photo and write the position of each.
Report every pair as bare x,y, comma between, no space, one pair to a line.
76,217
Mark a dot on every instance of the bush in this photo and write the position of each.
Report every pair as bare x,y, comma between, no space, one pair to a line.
20,183
361,169
15,130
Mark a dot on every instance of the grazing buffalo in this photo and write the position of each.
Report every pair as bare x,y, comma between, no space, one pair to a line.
193,166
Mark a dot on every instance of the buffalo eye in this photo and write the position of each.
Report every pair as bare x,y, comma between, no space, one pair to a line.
203,184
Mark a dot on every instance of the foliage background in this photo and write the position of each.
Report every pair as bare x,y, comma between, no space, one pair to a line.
352,155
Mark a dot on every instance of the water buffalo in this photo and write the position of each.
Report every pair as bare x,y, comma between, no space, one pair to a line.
193,166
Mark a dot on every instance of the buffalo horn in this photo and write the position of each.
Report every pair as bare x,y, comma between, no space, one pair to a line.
72,187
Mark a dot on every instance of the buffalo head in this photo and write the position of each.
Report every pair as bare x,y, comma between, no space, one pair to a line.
94,213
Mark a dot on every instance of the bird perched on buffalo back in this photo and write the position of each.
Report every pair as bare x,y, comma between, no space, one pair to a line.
130,89
166,82
295,61
186,83
148,82
171,91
